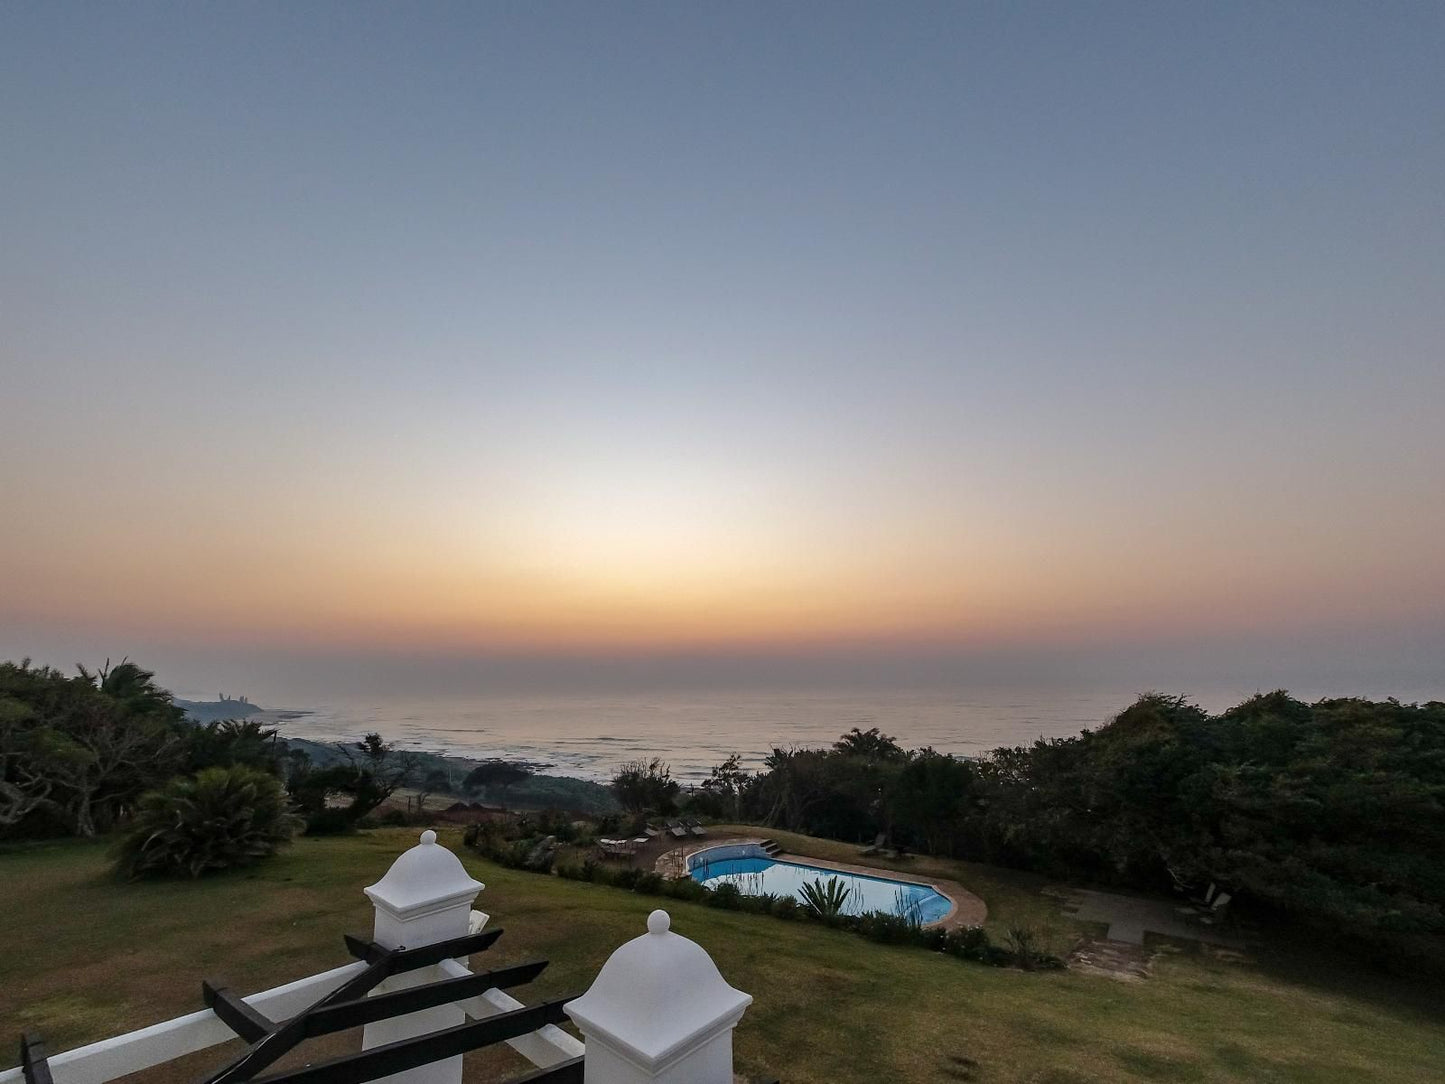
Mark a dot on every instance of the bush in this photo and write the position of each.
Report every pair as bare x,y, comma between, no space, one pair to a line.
890,929
785,907
220,818
685,888
1023,945
649,884
727,897
553,822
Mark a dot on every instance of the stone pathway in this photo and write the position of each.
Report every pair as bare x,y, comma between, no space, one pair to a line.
1121,953
1112,959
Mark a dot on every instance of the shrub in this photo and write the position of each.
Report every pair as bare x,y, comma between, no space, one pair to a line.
685,888
626,878
785,907
553,822
934,938
890,929
727,897
760,904
220,818
968,942
649,884
1023,944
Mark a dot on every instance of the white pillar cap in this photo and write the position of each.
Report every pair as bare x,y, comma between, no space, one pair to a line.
657,998
425,879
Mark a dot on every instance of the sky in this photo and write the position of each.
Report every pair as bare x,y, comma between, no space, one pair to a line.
557,343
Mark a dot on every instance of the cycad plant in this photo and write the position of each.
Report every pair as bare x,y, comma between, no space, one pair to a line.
825,899
217,819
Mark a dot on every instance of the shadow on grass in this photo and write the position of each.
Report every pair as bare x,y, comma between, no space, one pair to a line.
1392,981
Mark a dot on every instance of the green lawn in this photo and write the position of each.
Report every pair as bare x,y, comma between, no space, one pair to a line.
87,957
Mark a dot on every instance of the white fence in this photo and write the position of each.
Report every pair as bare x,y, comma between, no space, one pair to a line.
658,1011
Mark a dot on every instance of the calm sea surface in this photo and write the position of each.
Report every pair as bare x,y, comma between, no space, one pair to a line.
590,736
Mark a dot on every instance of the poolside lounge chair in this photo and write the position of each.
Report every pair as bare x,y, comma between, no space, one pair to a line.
650,832
1207,899
1217,910
676,829
695,828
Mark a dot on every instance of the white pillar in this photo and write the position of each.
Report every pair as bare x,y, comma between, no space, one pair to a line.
424,898
659,1012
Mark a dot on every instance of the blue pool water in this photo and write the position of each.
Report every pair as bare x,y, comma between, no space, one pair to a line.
754,873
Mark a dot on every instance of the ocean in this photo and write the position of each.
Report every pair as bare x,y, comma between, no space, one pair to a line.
589,736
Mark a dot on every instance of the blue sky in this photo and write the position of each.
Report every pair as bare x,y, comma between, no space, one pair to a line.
476,330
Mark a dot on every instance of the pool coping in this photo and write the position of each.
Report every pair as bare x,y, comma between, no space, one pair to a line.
966,908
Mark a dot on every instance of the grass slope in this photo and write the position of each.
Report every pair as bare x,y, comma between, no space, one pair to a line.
87,958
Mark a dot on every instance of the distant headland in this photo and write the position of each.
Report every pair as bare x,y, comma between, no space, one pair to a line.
233,707
444,771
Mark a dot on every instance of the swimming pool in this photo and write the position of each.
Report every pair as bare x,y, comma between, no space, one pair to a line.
750,868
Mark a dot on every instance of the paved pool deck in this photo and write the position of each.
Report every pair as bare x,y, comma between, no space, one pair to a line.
1129,918
968,909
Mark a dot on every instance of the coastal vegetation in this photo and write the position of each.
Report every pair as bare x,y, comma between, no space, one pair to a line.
646,786
1329,814
828,1006
76,751
219,818
110,750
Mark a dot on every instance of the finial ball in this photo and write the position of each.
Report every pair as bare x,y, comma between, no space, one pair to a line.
428,836
658,922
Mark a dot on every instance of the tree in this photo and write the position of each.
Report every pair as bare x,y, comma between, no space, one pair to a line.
435,780
934,799
229,742
79,749
793,786
644,786
871,744
334,798
495,773
134,689
25,784
728,781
